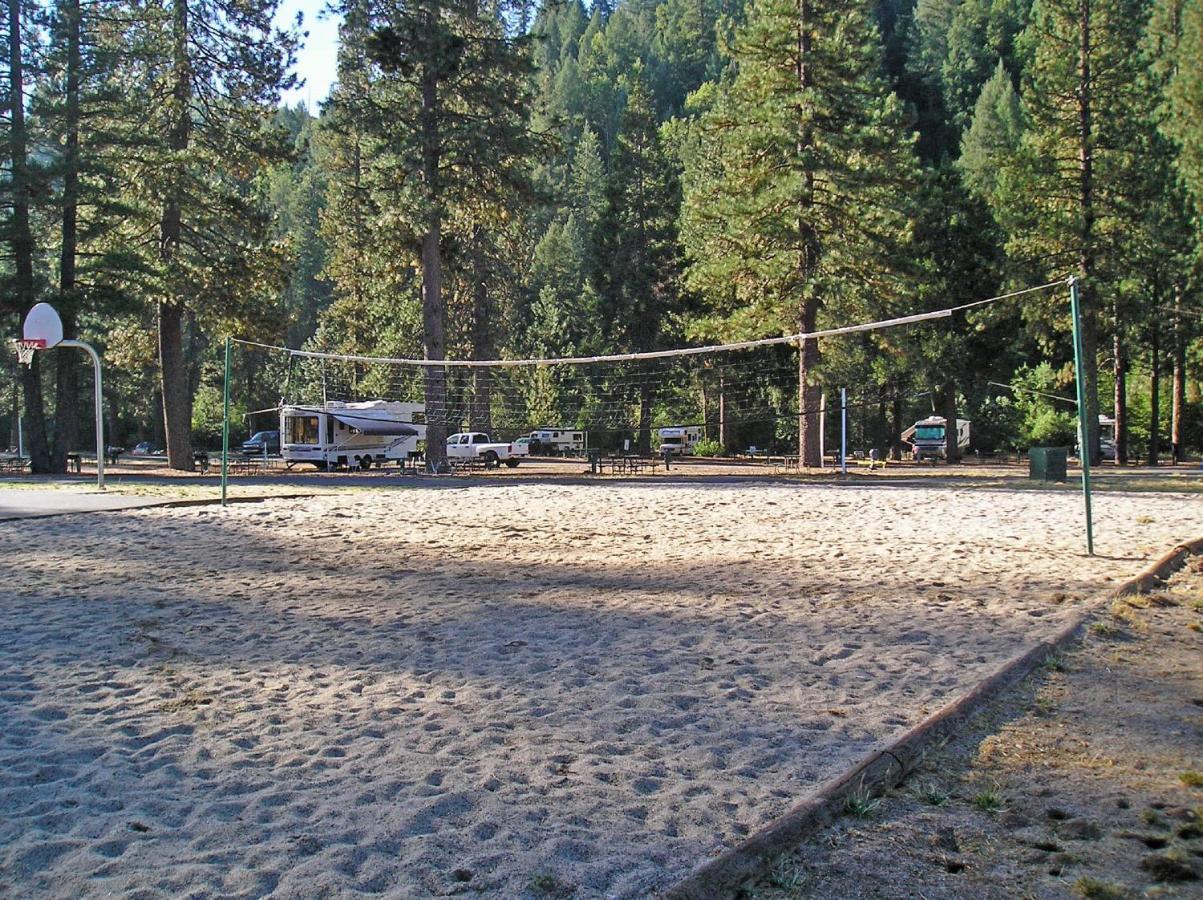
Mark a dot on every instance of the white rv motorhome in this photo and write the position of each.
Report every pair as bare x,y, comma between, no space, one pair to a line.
560,441
678,440
335,434
926,437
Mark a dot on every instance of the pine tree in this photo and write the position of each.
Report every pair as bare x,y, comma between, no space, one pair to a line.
1175,44
814,172
993,135
450,111
1063,199
74,110
200,80
637,266
22,286
981,34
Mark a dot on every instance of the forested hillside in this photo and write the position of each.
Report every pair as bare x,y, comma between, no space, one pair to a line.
527,181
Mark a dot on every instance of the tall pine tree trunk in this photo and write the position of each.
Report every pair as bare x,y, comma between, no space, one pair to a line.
722,410
1086,260
952,449
14,428
1120,364
1154,398
437,418
21,240
809,439
881,429
177,400
1178,387
67,399
482,337
644,445
896,430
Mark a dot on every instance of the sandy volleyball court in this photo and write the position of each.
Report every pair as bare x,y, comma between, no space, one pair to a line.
545,689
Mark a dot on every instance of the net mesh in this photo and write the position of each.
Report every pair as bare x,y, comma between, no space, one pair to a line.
744,387
26,350
742,395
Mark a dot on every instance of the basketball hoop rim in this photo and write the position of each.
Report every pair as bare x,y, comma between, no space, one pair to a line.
26,348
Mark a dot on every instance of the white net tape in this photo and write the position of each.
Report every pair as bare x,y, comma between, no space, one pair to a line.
25,351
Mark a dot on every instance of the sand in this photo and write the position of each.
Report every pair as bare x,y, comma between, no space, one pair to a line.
541,690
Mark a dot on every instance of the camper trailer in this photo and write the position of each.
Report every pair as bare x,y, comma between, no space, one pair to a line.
557,442
1107,439
337,434
678,440
926,437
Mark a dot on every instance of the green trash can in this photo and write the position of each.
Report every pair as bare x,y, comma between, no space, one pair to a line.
1047,463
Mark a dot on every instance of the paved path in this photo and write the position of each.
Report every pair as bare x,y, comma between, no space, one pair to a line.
24,504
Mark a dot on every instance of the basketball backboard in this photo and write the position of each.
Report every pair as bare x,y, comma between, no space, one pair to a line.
43,324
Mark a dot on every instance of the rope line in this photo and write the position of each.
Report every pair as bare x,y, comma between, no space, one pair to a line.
654,354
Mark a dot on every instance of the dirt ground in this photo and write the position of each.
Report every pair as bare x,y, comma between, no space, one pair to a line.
1086,781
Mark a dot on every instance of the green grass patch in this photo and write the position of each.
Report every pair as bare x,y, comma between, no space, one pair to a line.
932,794
1092,889
988,801
861,803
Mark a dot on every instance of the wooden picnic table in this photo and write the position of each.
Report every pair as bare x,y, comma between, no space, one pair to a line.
627,464
12,462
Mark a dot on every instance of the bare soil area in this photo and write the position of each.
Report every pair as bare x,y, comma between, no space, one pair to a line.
1086,782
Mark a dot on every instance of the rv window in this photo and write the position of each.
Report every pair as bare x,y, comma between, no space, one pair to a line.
930,433
301,429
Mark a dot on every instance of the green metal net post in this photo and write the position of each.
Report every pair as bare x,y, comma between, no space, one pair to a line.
225,426
1084,446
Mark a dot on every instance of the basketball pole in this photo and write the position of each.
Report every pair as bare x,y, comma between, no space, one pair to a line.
98,399
225,425
1084,446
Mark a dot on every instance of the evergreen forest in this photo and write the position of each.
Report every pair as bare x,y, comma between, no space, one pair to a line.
508,179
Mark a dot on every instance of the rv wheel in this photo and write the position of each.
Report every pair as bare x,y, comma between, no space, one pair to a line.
365,463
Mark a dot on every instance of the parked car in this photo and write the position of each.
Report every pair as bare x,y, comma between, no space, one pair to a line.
261,443
146,448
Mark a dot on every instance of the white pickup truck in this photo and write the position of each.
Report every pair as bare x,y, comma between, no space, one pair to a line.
476,445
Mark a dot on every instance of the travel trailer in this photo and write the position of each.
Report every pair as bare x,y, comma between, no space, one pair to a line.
678,440
548,441
1107,446
926,437
337,434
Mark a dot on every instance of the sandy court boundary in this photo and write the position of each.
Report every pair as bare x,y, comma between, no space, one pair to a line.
887,767
49,504
596,686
